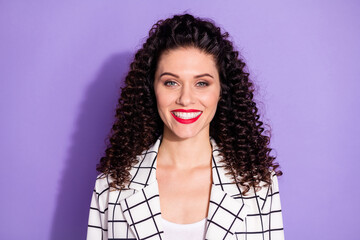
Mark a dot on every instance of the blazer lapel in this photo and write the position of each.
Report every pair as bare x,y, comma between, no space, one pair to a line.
226,214
142,209
142,212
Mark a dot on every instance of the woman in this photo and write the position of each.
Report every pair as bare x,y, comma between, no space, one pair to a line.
187,157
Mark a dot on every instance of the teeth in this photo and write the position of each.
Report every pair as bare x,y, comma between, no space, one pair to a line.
185,115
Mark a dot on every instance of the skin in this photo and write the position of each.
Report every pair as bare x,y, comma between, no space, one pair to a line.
184,157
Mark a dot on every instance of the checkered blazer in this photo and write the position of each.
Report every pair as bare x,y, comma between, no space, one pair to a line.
134,212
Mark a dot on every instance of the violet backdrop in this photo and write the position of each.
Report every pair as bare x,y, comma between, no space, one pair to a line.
62,64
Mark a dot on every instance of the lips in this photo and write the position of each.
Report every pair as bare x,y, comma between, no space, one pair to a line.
186,116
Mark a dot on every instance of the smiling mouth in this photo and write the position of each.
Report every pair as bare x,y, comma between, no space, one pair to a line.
186,115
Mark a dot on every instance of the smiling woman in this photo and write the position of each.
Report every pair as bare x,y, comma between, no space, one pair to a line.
186,78
187,157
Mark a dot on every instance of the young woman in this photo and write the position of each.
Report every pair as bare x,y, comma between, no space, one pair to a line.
187,157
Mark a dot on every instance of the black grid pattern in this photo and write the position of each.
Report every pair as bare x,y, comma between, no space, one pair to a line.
134,212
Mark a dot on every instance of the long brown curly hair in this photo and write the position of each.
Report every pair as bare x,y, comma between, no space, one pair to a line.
236,127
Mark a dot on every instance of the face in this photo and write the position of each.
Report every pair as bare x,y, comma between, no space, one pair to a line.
187,89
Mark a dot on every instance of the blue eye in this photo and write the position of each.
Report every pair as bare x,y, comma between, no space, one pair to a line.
203,84
169,83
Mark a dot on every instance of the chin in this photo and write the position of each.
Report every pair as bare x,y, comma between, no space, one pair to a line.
184,133
185,136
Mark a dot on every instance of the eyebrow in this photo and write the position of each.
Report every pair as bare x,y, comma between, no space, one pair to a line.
174,75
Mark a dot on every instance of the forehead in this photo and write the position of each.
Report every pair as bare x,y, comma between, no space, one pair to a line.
186,59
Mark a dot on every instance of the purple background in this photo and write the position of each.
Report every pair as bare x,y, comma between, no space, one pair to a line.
61,66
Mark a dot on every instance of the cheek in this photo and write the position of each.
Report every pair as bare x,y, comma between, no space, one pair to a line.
163,100
211,99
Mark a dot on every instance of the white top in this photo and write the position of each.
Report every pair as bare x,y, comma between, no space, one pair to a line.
192,231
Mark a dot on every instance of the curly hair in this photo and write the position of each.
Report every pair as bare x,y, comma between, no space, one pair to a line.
236,127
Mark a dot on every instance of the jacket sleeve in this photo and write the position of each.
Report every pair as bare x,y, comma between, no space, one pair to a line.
264,221
97,227
275,221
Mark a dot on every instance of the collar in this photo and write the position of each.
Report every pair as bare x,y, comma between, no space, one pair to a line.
144,172
141,209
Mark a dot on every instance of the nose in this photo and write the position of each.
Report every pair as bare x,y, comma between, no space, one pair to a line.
186,96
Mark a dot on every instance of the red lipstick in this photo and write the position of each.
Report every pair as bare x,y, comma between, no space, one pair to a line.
186,121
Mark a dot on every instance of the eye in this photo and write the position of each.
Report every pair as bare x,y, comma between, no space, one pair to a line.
203,84
170,83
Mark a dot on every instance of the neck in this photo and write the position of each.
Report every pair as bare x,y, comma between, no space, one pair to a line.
188,153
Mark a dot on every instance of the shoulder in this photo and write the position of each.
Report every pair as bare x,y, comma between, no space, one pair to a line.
274,184
274,181
102,186
102,182
264,187
262,198
268,189
105,193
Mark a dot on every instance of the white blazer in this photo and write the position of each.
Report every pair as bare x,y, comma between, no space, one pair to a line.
134,212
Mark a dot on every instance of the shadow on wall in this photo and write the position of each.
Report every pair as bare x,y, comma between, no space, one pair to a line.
96,115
